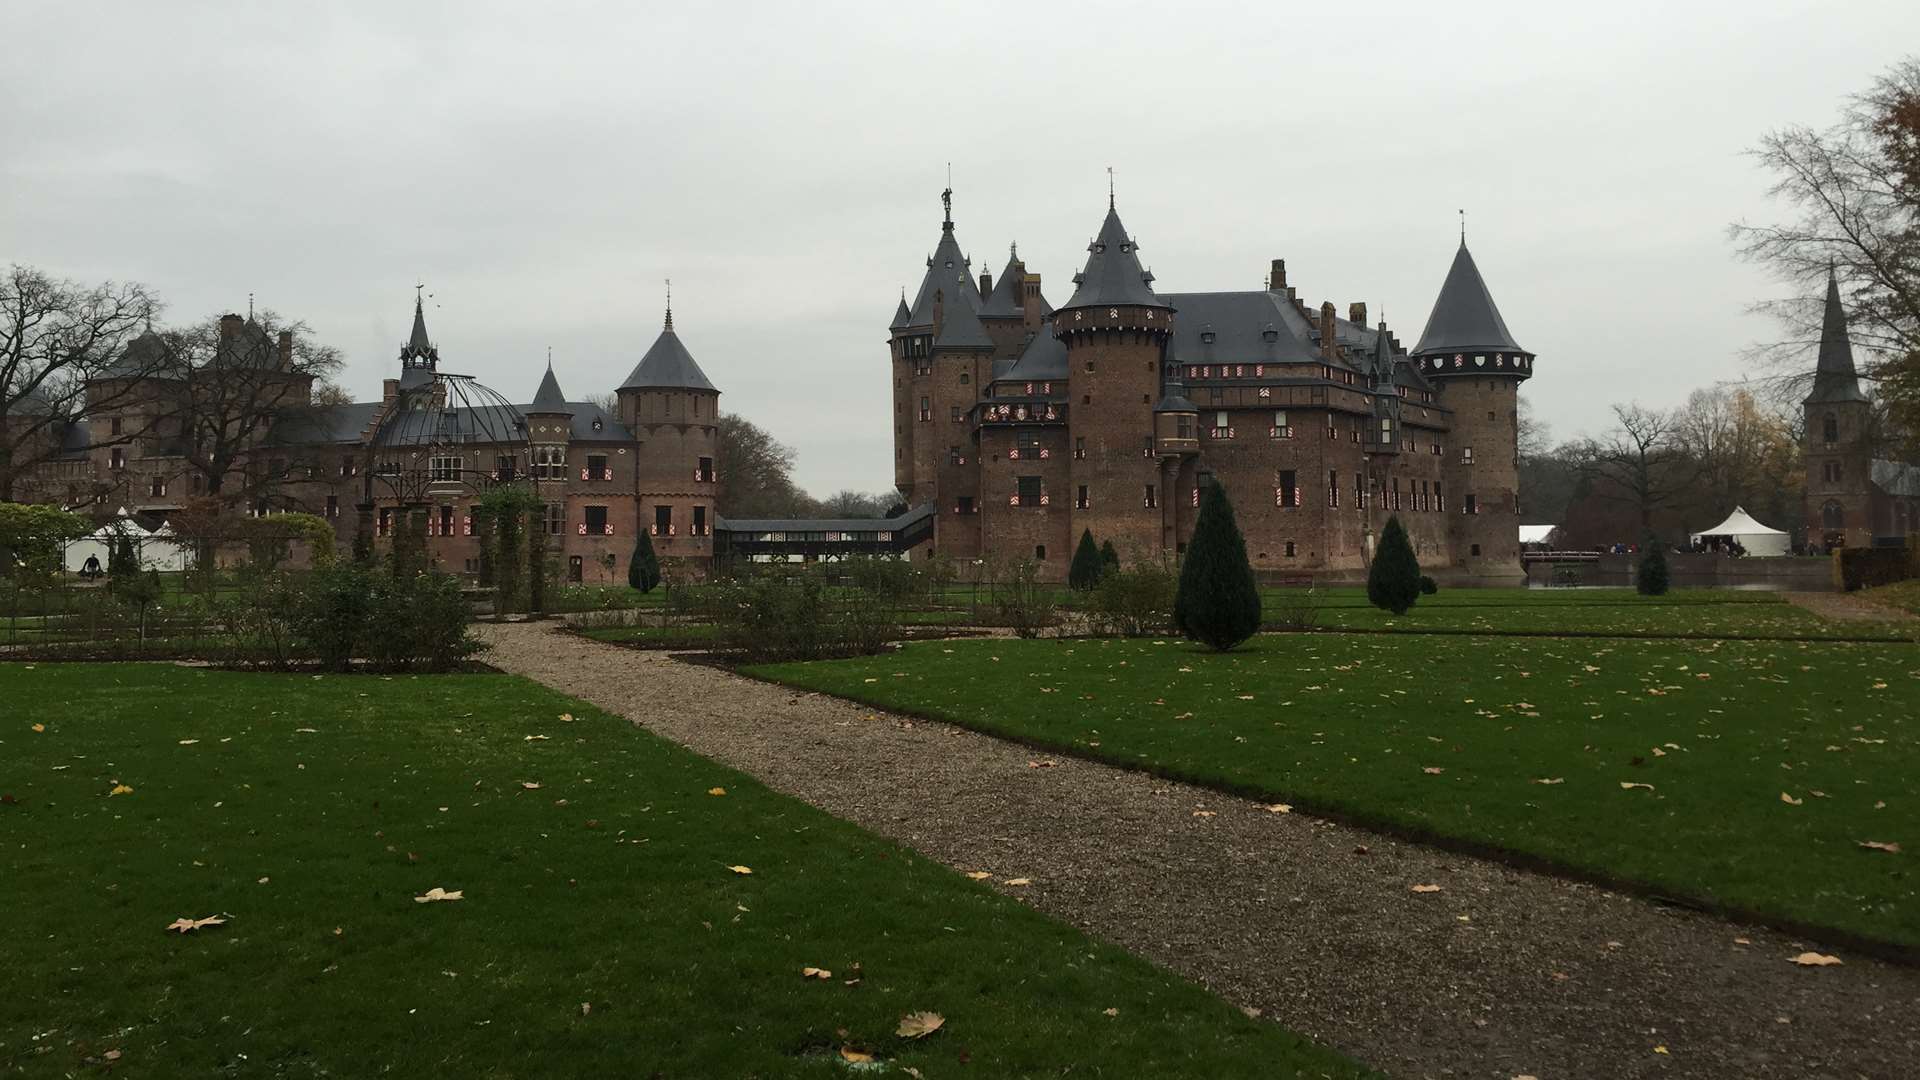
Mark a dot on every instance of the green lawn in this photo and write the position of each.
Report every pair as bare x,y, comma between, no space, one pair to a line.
1706,612
1358,724
601,931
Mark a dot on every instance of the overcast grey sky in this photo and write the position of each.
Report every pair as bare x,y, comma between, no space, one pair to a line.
542,167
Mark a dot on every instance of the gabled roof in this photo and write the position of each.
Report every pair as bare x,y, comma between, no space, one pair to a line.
1113,274
1239,323
549,399
1464,316
1834,378
668,365
960,329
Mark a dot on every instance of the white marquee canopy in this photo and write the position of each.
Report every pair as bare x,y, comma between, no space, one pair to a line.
1758,539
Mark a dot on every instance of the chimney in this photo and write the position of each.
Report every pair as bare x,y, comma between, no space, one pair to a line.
986,282
389,389
1329,347
286,350
1277,280
230,325
1030,305
1357,314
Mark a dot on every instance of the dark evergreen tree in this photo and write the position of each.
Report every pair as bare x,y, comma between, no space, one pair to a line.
121,557
1218,602
1651,576
1393,582
1109,559
643,570
1084,572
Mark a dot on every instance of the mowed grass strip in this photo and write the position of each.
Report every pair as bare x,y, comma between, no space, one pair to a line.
1709,613
1525,745
601,930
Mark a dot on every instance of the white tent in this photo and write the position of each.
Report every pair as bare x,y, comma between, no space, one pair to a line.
164,551
1537,534
99,543
1750,534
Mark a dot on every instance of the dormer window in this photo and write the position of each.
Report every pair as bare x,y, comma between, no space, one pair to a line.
597,424
1206,337
1269,334
1124,248
1099,248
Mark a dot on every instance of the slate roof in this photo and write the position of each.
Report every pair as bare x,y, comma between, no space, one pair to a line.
1113,274
1834,378
960,328
417,342
327,424
1896,477
548,399
1175,400
1043,360
948,273
901,316
668,365
1464,316
1239,322
1005,300
142,357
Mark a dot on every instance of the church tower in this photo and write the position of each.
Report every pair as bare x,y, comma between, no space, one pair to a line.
1115,330
1471,358
1838,453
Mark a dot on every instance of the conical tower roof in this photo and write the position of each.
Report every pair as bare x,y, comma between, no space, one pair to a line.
1113,275
1005,300
668,366
418,358
1834,377
1464,317
901,316
549,399
948,273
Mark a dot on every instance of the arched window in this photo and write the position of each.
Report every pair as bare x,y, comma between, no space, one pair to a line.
1830,429
1831,516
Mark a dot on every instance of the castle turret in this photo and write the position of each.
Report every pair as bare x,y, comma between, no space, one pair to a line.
418,358
1115,331
1473,360
673,410
1839,453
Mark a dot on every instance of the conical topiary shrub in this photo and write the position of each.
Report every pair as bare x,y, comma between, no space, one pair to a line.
1651,577
643,571
1393,582
1218,602
1084,572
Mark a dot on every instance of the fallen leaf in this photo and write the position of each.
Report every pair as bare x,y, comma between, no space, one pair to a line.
1627,785
919,1025
1280,808
1660,1050
1203,813
188,742
185,925
39,728
1790,800
980,875
1252,1013
1814,959
1433,770
1426,888
716,791
1881,845
1555,780
848,1053
741,869
1109,1012
1742,941
1041,764
437,893
815,973
534,738
586,1008
307,730
120,789
1019,881
566,718
530,785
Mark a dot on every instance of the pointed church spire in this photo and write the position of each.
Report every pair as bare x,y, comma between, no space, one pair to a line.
669,303
1834,377
1113,274
1465,318
418,358
549,399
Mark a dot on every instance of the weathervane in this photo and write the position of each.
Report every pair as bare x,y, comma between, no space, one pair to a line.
669,303
1463,228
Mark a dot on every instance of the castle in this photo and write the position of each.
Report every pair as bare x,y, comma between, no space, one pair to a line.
1853,495
1023,424
432,445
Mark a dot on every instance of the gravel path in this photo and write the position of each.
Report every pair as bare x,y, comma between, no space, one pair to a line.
1501,973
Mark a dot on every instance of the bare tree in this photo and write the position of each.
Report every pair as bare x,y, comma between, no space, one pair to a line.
1740,452
1855,190
1640,461
241,377
58,339
756,472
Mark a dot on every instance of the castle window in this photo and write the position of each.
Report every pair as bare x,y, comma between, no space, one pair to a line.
1080,498
1395,504
1151,501
1471,505
116,458
1290,549
1832,516
1089,367
953,413
1183,426
1280,429
1830,430
1040,552
383,525
597,467
965,378
1466,455
699,521
953,456
1079,447
1360,490
1830,472
1028,491
1439,498
116,426
556,519
1220,425
1146,446
157,487
1287,494
596,521
441,467
703,471
964,505
926,409
446,520
663,521
504,467
333,506
1476,549
1333,488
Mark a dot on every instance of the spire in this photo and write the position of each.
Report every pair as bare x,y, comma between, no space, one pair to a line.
1464,316
549,399
667,365
901,316
1834,377
418,358
669,303
946,273
1113,274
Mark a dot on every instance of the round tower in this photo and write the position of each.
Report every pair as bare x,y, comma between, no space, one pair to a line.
673,410
1115,330
1472,359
